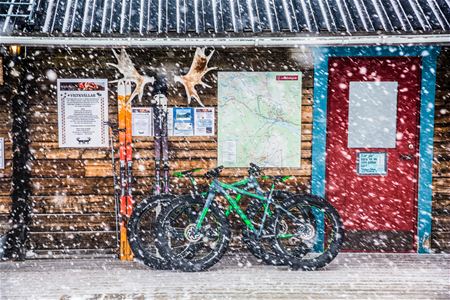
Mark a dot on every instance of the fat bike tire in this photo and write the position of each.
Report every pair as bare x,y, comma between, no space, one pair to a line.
214,235
333,232
262,249
142,234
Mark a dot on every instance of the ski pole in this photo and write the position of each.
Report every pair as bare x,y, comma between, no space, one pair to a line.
114,169
157,146
165,144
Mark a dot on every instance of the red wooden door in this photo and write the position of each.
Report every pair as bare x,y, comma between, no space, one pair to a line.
377,202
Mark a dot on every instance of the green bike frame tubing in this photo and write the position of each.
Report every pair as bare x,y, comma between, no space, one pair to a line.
230,208
220,187
235,206
217,186
241,191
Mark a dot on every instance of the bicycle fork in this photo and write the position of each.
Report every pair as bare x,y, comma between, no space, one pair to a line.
209,200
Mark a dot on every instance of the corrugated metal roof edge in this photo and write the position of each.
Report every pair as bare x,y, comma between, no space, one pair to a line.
252,40
229,34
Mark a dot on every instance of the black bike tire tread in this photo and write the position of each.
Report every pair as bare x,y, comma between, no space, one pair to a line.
184,264
149,259
324,259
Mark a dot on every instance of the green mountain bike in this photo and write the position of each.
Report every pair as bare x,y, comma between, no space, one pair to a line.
193,233
141,226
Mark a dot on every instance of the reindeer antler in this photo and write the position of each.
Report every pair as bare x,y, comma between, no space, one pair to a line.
194,77
129,72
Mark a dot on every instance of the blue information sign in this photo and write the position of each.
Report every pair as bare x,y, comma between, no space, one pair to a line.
183,121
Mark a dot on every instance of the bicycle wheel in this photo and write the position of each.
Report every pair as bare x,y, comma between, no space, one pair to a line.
141,231
262,248
180,243
292,234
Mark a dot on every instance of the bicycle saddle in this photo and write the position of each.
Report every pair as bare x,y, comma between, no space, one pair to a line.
254,170
214,173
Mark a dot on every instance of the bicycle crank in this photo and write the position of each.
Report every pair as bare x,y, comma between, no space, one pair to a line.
308,232
191,233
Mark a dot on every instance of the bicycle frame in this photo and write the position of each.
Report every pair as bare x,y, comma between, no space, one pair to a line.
221,188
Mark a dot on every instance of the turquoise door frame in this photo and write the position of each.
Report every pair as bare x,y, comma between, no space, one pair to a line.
428,84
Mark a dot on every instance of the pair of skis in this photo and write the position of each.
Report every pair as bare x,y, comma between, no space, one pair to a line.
126,164
160,118
126,160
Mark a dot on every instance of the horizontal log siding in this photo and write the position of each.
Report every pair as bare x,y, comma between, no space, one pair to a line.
5,174
73,188
441,163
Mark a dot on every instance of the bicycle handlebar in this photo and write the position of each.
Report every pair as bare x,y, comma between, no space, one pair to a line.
186,173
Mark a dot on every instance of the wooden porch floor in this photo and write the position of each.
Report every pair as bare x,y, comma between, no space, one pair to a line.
350,276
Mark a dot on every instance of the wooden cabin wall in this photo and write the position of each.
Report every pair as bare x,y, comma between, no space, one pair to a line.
73,209
441,163
5,174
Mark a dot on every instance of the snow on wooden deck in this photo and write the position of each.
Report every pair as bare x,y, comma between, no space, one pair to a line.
350,276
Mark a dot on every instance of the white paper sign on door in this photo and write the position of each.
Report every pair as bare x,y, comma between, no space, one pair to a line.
82,113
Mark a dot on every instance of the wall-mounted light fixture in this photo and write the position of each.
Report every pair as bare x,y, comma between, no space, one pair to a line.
14,50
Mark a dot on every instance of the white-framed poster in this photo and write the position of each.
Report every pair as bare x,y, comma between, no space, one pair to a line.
204,121
82,113
2,153
259,119
142,121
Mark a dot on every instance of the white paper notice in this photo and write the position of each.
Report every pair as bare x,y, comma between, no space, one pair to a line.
82,113
2,153
142,121
170,121
204,121
229,151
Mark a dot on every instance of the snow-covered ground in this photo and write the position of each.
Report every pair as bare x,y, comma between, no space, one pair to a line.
350,276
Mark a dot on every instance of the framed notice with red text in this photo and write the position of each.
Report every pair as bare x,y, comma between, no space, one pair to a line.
82,113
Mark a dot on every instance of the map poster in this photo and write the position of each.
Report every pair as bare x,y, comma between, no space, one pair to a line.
372,163
142,121
204,121
259,119
183,121
82,113
2,153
